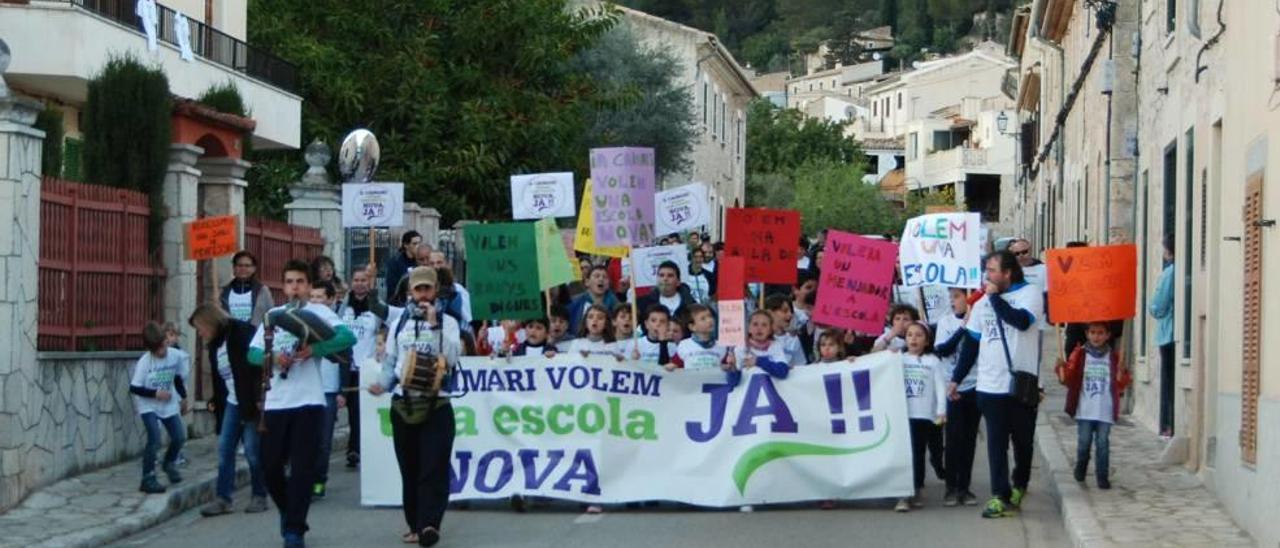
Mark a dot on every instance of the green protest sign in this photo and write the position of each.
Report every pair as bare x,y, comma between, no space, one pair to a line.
502,271
554,267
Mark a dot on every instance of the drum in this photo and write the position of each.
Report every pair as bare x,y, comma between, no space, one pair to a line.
423,372
308,328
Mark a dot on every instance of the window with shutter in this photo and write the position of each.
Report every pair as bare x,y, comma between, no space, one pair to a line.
1252,335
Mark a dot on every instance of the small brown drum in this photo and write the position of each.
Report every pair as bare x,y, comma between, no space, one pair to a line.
423,372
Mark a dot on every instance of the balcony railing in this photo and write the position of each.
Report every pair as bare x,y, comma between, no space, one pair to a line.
206,42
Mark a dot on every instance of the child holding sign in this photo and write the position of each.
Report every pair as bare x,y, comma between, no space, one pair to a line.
926,385
535,340
762,350
779,307
597,335
653,347
624,328
1095,380
700,350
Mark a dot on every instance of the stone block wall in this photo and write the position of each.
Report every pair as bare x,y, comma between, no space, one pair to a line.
78,417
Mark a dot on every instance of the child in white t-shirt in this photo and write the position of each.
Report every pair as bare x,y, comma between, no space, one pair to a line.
159,395
652,346
700,350
926,386
762,350
597,337
894,337
1095,378
780,309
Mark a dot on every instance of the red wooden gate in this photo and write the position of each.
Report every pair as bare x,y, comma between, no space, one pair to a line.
99,285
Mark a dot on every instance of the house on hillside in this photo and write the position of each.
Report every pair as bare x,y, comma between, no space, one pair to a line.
721,93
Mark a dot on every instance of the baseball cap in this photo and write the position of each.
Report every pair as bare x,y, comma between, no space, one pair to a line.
422,276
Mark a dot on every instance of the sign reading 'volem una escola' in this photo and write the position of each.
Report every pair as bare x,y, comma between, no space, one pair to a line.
625,180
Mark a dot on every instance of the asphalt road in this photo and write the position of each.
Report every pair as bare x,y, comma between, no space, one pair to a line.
338,520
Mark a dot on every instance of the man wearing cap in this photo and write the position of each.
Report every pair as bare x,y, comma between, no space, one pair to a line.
422,422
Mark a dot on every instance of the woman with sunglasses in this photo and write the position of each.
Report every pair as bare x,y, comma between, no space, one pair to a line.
244,297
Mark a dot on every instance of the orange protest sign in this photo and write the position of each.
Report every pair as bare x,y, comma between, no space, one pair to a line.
1088,284
212,237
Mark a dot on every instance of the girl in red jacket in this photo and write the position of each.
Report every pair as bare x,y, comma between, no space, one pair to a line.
1095,378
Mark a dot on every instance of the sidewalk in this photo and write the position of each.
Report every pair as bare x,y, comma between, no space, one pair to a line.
96,508
1149,504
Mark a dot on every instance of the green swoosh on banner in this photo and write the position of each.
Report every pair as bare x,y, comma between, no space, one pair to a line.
767,452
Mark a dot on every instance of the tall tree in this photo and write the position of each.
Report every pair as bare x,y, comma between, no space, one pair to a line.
642,103
461,93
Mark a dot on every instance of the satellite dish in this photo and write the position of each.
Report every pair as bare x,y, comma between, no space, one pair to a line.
850,112
876,56
915,64
358,157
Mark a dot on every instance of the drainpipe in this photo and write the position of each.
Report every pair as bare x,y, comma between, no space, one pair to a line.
1106,193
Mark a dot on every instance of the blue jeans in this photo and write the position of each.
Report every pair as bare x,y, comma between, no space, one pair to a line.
177,435
326,437
235,430
1008,422
1098,434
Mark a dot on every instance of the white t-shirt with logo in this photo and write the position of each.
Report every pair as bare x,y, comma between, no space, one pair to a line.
775,352
695,356
224,371
648,350
1095,390
418,336
1024,346
791,346
583,345
303,386
157,374
948,325
926,385
365,328
240,305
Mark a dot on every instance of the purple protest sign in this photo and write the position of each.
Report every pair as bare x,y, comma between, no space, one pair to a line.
623,195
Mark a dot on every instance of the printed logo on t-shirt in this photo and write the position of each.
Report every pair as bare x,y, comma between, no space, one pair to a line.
1095,379
916,376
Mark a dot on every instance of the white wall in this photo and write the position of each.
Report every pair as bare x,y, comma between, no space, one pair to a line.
86,42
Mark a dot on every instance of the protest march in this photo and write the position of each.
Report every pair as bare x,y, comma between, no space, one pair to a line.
602,349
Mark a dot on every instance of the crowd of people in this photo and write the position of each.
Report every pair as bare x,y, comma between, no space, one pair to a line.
979,363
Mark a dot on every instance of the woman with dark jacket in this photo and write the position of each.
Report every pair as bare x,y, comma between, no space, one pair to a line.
235,391
244,297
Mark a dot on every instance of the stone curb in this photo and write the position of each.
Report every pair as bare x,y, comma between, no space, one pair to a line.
193,492
1078,519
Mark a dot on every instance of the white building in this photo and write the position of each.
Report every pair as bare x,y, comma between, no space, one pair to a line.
721,93
57,70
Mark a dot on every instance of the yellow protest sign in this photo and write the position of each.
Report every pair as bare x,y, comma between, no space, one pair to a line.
585,240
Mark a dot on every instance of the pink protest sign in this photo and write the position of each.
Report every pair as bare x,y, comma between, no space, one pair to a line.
623,195
733,328
856,284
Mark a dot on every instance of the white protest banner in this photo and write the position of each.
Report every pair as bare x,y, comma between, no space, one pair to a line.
379,482
681,209
372,204
646,260
942,249
599,431
542,195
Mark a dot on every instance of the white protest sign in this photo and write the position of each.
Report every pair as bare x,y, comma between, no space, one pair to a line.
681,209
542,195
646,260
600,431
937,300
372,204
942,249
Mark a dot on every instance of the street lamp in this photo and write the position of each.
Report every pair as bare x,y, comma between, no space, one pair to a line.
1002,122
